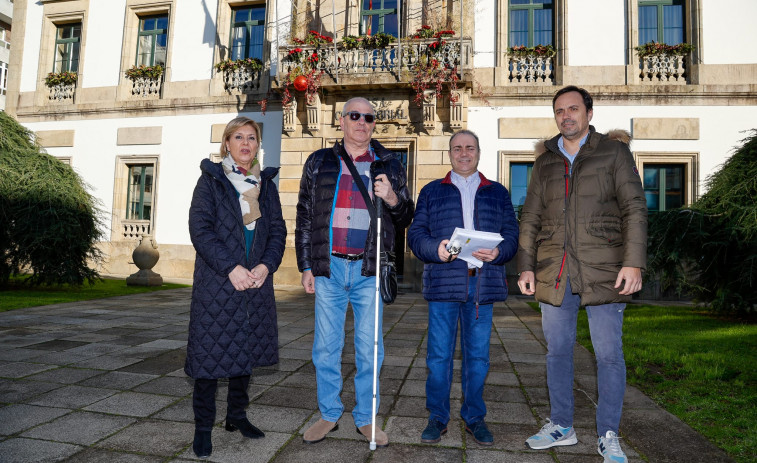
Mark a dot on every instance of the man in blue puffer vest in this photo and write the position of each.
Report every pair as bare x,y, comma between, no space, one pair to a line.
458,292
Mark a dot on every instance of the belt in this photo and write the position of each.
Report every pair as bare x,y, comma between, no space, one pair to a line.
472,272
347,256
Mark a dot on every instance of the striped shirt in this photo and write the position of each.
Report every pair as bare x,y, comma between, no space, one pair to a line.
351,220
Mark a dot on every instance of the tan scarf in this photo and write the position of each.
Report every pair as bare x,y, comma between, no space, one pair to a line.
248,187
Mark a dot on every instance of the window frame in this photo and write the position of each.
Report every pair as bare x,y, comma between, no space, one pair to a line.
70,43
382,13
690,162
142,190
248,25
154,34
123,229
530,7
3,78
660,4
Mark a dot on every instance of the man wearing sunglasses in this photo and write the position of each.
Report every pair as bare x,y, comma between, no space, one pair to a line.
335,243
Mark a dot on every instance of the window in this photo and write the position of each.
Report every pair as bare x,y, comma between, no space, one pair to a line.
67,46
139,192
664,186
661,21
3,77
520,178
379,16
5,35
248,32
530,22
153,37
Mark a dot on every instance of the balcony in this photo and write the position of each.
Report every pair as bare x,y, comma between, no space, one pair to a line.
663,68
391,64
62,93
146,87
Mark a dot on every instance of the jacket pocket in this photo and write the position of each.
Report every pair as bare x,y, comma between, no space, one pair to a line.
544,235
606,230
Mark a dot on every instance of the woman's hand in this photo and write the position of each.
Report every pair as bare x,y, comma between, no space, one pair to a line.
241,278
259,274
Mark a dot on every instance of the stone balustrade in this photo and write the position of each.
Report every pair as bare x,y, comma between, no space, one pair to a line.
133,230
396,57
530,69
243,80
663,68
63,93
147,86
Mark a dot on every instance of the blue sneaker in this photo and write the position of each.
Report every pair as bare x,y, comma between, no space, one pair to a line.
433,432
551,435
609,448
480,433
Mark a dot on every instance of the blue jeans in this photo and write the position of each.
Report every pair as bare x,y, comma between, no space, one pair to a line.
443,318
331,297
606,328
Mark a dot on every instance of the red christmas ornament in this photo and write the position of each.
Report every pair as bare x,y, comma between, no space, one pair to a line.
301,83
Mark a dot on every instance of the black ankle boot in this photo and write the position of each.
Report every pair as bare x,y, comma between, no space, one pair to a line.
202,444
245,427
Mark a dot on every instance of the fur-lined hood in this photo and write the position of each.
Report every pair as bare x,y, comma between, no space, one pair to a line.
620,135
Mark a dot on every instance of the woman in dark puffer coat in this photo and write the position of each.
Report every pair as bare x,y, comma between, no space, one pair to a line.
238,232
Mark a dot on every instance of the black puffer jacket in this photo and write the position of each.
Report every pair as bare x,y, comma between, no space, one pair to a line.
232,331
316,202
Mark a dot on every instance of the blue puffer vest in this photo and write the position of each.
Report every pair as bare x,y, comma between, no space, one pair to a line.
438,211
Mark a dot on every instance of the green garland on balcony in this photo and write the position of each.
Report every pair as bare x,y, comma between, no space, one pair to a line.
151,72
253,64
656,49
520,51
58,78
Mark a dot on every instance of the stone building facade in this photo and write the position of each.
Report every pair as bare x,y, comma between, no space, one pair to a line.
138,142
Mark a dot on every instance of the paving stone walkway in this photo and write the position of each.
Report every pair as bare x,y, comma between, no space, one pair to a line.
103,381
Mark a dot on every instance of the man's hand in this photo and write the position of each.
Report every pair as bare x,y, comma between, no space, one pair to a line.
308,282
527,282
632,276
486,255
241,278
444,255
383,189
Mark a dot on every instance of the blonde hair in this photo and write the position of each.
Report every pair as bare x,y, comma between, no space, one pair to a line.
235,124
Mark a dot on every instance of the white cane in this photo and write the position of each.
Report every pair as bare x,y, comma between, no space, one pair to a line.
376,321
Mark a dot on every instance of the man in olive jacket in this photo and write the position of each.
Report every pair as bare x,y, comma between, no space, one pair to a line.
583,235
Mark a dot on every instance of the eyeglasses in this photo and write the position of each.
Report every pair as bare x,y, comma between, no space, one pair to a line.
355,116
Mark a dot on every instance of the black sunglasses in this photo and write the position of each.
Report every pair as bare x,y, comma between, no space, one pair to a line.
354,116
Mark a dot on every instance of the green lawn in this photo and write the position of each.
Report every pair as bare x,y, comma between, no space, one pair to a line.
700,368
17,295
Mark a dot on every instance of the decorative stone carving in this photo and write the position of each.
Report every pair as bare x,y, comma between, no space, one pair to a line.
314,112
429,109
531,68
242,80
290,116
63,93
663,68
146,86
456,110
145,257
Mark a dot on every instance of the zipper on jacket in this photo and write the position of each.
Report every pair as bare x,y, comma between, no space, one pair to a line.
565,212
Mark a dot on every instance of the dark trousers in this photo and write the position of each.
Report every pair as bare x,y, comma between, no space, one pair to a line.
204,401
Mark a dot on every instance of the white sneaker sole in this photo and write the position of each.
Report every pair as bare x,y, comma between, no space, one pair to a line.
569,441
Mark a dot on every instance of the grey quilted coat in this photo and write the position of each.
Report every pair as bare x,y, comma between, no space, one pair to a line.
230,331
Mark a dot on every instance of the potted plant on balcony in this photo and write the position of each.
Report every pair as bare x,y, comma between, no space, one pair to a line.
432,67
239,74
539,51
660,49
61,85
146,80
54,79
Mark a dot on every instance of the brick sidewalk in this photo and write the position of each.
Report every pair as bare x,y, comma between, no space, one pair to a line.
103,381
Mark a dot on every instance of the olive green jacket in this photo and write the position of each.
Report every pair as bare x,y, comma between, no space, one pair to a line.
585,225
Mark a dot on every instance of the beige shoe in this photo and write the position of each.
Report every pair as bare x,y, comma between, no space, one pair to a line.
382,440
318,431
